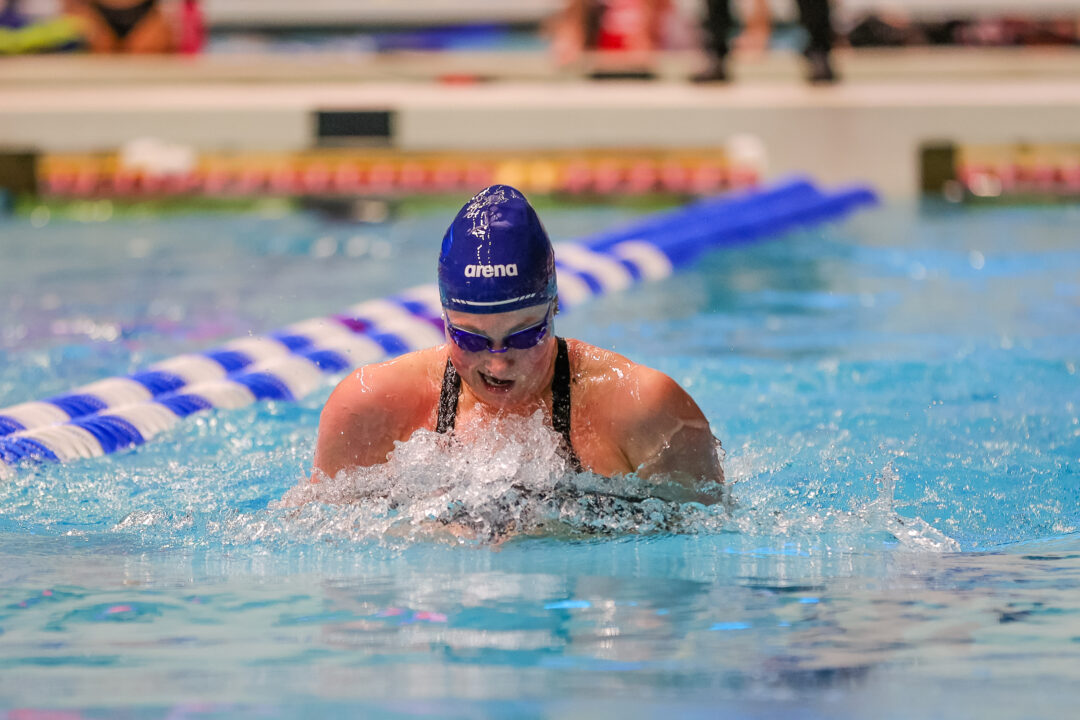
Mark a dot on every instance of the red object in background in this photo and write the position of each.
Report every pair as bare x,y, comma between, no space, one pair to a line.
381,177
607,178
58,183
217,180
446,176
740,177
577,177
674,177
125,182
1043,176
478,175
251,181
641,178
285,181
1070,177
316,178
706,178
413,176
1009,175
86,182
622,25
192,28
347,178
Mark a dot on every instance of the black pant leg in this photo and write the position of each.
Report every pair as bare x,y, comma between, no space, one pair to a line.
718,22
814,16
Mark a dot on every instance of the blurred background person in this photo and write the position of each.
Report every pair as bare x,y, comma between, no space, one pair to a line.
125,26
622,35
814,15
23,34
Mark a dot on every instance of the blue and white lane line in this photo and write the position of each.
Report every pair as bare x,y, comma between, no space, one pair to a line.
118,413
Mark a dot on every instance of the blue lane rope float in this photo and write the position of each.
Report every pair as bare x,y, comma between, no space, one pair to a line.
122,412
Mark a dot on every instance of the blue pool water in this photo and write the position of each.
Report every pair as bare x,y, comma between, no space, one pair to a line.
897,397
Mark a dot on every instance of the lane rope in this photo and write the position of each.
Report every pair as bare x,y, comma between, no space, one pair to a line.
286,365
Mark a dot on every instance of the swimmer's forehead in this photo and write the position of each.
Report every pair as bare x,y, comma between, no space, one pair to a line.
505,322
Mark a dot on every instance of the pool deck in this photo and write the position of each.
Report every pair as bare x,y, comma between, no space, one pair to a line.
867,128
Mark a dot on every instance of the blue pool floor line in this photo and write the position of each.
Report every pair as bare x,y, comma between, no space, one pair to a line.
122,412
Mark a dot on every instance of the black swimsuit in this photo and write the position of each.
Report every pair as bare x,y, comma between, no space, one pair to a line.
122,20
560,401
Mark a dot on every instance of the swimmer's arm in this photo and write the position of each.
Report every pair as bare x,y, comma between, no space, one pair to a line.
357,427
669,440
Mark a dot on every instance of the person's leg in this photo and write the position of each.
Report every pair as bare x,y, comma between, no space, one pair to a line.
98,35
718,22
816,19
151,35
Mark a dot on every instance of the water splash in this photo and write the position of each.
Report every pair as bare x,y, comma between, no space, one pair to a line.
809,516
513,481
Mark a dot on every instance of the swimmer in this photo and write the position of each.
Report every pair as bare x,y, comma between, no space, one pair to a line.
502,358
123,26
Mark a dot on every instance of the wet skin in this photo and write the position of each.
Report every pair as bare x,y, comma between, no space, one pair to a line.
625,417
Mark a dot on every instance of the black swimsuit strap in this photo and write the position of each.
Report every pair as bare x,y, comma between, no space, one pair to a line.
448,398
560,400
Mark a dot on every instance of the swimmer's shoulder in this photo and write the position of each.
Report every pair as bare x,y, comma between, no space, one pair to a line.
394,397
375,406
395,385
622,387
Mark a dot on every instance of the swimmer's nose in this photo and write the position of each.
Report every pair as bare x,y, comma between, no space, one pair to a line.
498,363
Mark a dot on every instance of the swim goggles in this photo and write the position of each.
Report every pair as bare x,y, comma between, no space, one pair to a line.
521,340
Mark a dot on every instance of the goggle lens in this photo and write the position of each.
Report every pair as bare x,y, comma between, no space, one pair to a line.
521,340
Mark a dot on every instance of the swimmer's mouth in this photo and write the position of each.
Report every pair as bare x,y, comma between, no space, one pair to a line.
495,384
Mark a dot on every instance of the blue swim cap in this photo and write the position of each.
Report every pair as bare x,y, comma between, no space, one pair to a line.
496,256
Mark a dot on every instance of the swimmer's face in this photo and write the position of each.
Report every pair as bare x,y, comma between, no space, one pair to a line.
514,378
